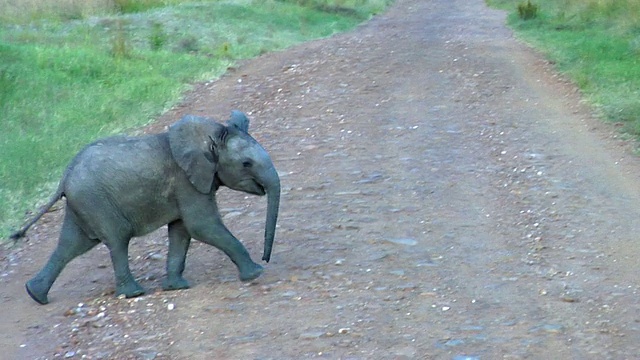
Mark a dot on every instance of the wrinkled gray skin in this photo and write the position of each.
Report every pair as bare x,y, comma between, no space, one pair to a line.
122,187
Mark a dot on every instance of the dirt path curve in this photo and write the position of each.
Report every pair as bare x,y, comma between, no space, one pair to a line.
445,196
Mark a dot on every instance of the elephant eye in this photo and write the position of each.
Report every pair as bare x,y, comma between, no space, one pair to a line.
247,164
211,144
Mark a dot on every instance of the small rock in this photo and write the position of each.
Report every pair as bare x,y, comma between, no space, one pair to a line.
407,286
344,330
553,329
378,256
288,294
311,335
372,178
147,354
454,342
471,328
403,241
232,214
549,328
155,256
97,321
568,298
347,193
407,353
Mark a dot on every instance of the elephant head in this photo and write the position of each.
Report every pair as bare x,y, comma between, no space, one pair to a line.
207,151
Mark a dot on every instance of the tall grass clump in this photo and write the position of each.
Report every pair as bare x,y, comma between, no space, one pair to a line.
64,83
346,7
597,44
527,11
158,37
19,11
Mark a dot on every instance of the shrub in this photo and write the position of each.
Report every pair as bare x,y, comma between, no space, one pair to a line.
119,46
527,11
188,44
158,37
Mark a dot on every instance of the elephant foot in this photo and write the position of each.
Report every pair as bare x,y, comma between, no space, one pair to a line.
130,290
36,291
175,283
251,273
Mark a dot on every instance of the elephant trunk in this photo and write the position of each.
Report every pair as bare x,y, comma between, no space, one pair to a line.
273,204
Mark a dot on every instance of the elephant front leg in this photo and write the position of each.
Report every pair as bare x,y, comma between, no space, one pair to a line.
248,269
179,240
216,234
203,222
125,283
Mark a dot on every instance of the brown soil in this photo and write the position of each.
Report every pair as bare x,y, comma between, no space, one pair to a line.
446,195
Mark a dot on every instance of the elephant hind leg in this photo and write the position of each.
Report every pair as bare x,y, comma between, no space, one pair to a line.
179,240
73,242
125,283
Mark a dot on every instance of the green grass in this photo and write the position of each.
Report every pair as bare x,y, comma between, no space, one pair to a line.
596,43
64,83
19,12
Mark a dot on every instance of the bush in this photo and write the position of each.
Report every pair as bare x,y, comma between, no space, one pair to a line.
527,11
158,37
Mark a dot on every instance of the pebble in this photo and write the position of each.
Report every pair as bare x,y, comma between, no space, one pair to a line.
374,177
288,294
311,335
347,193
96,321
403,241
232,214
471,328
148,355
454,342
156,256
549,328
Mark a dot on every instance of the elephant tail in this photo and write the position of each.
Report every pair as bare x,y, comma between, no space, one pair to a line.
20,233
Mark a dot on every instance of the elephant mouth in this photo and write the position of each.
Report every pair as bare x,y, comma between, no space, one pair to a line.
258,189
248,186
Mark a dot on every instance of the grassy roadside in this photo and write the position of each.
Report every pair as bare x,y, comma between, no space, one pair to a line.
70,75
595,42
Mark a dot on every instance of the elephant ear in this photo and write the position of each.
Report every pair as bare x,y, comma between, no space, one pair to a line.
192,146
239,121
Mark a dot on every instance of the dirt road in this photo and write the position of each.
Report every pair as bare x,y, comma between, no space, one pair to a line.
445,196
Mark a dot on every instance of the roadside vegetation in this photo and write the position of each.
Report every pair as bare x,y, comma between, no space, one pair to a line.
72,71
596,43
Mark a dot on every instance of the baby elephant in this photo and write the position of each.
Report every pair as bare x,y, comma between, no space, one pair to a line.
122,187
